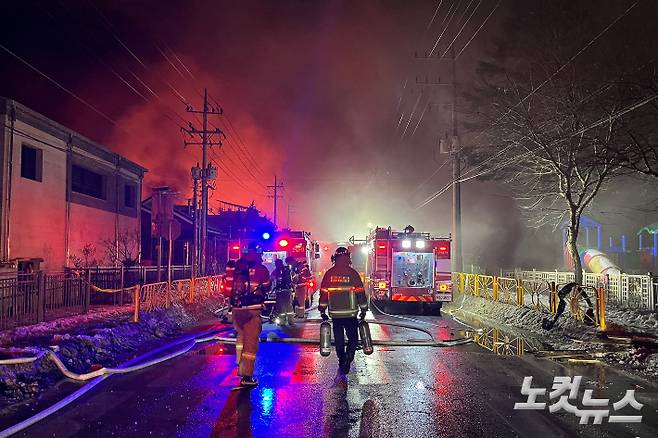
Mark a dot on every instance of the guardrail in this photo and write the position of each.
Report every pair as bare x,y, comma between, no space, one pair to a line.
622,290
586,304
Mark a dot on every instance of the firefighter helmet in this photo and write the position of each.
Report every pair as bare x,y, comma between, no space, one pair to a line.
340,251
255,247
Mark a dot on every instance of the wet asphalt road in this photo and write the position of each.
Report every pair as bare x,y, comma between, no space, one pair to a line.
465,391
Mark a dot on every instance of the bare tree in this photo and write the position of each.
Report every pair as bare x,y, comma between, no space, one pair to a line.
86,258
124,250
547,119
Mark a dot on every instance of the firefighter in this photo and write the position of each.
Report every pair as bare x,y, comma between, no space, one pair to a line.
301,276
251,282
283,286
342,293
227,287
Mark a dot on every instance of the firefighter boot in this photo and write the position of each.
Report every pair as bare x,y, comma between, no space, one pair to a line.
343,364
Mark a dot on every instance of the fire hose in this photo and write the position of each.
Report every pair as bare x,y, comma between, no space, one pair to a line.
97,376
427,322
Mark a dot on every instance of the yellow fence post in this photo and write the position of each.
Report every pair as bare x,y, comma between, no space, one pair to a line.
520,296
136,304
495,289
552,298
477,285
462,282
600,301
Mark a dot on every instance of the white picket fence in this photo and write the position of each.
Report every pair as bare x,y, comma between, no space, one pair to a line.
624,290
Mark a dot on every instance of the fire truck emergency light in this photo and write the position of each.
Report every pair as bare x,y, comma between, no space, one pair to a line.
236,247
406,244
266,236
283,243
420,244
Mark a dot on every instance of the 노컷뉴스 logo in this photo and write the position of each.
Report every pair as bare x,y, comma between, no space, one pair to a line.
565,390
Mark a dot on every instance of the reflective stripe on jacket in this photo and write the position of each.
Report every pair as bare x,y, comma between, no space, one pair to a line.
342,292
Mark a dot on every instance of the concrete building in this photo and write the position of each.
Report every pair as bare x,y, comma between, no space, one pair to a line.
60,191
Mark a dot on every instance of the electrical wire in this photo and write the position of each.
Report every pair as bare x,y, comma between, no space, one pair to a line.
436,11
60,86
478,29
436,43
462,28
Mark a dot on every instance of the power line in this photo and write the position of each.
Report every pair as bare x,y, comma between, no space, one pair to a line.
599,122
462,28
61,87
478,29
436,11
454,12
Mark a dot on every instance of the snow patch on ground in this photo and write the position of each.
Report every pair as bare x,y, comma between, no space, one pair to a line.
87,342
638,356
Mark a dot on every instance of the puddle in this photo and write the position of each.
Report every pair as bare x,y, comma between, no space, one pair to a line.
216,350
501,343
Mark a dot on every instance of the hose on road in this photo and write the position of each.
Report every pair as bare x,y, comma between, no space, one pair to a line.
427,322
96,377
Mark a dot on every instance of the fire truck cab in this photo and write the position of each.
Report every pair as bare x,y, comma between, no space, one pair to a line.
408,267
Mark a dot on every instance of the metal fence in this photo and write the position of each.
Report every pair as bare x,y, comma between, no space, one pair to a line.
115,278
537,293
42,296
36,297
163,295
622,290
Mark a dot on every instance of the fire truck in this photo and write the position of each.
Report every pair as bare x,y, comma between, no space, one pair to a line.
408,267
281,244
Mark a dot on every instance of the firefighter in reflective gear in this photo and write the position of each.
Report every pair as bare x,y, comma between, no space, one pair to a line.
342,293
251,282
226,286
227,279
283,286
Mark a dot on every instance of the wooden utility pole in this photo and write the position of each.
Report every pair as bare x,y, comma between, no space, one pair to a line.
453,148
276,196
196,176
207,172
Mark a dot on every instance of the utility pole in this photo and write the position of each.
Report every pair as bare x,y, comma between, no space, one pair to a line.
452,146
290,210
206,170
276,196
196,176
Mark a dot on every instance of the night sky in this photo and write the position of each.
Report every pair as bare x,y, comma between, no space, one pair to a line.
317,92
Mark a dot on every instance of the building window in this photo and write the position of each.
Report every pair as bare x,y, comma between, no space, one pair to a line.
31,163
87,182
129,193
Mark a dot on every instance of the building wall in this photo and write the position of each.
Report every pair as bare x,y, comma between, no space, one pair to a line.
38,208
45,218
91,226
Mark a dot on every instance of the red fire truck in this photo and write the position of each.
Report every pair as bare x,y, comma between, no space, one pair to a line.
406,266
281,244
